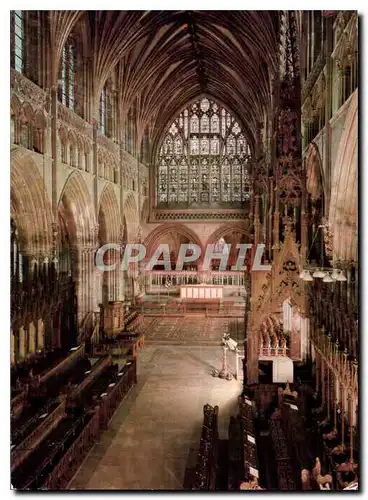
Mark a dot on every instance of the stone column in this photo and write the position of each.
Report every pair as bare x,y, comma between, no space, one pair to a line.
32,338
54,133
276,219
329,94
12,348
252,357
81,285
91,283
303,223
318,372
22,346
85,282
257,228
295,344
323,385
40,334
120,285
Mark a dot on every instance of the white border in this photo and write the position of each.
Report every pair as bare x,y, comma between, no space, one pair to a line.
5,180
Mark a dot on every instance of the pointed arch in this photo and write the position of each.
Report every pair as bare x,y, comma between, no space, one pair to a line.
315,174
343,214
130,212
144,212
15,104
157,234
197,164
75,202
225,230
108,216
27,112
30,204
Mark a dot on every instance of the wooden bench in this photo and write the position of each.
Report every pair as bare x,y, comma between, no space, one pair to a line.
53,462
285,473
205,473
249,439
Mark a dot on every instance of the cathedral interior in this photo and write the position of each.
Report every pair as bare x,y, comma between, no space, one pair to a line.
220,130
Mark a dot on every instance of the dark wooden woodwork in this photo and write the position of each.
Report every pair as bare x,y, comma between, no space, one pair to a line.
48,296
248,438
205,473
286,477
52,463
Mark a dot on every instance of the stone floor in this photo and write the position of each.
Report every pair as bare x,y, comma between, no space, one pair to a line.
153,433
192,329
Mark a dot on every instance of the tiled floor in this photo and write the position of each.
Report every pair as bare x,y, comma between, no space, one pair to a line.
150,437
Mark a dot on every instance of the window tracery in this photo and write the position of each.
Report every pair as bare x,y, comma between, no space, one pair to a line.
19,40
67,80
203,158
103,112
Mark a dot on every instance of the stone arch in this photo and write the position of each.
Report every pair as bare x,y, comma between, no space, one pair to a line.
315,174
144,215
25,125
15,106
273,341
161,231
232,234
109,232
62,142
108,216
39,129
30,205
73,148
225,230
77,212
343,213
75,202
27,112
131,215
81,152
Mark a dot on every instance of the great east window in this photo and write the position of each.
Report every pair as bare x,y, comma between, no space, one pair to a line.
203,159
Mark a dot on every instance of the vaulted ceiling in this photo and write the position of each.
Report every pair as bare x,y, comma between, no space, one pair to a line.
165,59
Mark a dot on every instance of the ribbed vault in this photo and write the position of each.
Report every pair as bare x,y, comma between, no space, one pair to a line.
165,59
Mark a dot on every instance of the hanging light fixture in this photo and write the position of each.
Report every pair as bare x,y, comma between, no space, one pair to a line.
341,276
318,273
335,274
307,276
328,279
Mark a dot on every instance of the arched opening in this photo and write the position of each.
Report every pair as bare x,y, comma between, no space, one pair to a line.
203,159
78,217
316,208
108,282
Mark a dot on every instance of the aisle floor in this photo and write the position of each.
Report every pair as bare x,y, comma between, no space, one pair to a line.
152,434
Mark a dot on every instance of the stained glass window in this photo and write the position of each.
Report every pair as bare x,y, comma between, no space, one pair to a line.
19,40
103,113
66,94
203,158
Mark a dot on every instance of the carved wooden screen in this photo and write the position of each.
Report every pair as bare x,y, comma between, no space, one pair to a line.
203,158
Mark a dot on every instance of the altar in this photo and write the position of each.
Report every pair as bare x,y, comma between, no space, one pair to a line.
201,292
